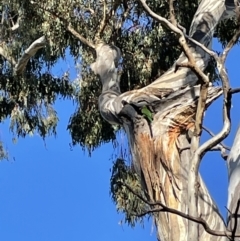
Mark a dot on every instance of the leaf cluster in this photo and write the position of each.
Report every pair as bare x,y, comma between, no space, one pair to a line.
86,125
148,50
125,200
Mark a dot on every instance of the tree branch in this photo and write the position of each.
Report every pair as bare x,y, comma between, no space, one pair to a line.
234,91
220,148
19,18
162,20
28,53
212,134
69,28
214,141
202,28
172,13
164,208
195,162
227,99
80,37
102,23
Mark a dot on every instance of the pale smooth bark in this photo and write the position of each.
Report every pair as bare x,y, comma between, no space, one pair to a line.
28,53
159,147
233,164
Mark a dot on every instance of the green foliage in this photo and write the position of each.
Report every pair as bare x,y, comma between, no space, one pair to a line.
86,125
226,30
125,200
3,152
28,99
148,50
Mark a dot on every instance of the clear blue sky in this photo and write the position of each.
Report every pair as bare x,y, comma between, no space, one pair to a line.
49,192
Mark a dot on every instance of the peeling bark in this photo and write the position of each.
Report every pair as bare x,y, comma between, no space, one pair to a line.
161,147
164,167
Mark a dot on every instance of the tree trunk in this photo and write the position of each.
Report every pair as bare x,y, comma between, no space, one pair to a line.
233,163
160,139
161,157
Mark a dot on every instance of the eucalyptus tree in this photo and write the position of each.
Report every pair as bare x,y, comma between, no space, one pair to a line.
158,75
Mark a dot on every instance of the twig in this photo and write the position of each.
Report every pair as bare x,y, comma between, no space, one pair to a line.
234,91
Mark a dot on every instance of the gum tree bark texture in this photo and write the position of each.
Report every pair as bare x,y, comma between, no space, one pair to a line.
160,142
161,157
233,163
